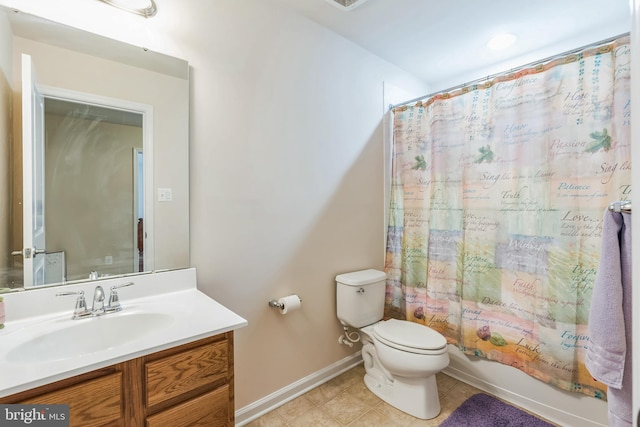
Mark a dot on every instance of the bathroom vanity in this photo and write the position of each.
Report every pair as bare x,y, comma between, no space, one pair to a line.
175,370
191,384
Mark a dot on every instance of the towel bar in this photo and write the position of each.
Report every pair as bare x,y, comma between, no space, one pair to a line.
621,206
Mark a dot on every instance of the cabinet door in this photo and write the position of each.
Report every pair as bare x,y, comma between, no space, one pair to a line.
207,410
91,403
181,373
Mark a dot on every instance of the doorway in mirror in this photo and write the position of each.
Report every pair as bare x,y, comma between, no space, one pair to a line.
88,201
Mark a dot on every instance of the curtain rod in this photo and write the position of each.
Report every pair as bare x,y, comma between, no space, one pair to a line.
512,70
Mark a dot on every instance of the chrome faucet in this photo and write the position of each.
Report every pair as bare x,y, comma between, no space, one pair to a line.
98,308
98,301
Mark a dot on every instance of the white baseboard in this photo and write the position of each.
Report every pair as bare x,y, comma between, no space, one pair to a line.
280,397
555,415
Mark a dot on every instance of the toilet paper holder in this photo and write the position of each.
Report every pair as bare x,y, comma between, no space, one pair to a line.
274,303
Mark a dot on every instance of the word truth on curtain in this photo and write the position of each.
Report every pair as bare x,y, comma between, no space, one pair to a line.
497,199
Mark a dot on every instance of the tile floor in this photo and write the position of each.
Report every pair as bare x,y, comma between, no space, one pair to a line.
346,401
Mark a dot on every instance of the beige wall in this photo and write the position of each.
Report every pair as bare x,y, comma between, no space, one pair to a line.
286,179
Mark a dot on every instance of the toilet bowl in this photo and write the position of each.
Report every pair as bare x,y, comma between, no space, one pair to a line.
401,361
401,358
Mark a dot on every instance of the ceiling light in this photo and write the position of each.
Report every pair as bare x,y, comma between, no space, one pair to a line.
146,8
501,41
346,4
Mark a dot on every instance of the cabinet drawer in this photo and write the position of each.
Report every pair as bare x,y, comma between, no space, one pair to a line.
207,410
174,375
91,403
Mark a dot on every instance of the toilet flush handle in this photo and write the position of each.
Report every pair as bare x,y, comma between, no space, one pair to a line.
360,291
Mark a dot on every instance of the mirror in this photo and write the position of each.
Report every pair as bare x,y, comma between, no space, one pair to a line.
114,191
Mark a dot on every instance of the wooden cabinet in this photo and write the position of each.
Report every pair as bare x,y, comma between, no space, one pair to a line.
188,385
207,410
95,402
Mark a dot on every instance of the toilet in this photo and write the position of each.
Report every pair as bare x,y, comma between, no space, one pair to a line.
401,358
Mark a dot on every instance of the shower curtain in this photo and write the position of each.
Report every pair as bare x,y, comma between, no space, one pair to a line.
497,198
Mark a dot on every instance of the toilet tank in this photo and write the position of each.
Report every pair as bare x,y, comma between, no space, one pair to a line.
360,297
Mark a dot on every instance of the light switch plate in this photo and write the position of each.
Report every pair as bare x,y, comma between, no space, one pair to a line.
165,195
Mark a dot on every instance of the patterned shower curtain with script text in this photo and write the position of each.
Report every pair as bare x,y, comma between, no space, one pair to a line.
497,198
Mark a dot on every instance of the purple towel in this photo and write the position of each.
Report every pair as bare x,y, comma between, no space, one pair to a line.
608,357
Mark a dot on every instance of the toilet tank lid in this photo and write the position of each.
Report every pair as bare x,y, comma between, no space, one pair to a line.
363,277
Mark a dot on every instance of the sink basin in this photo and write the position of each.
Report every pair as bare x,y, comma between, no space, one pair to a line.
87,336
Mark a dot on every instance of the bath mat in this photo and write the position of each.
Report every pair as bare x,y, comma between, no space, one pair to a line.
481,410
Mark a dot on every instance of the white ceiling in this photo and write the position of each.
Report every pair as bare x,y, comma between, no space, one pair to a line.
443,42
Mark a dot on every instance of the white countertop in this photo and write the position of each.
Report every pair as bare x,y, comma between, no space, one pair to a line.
193,316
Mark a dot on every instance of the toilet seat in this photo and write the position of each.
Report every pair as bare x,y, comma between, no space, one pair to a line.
409,336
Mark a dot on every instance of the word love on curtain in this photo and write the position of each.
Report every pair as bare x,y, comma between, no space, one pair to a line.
497,199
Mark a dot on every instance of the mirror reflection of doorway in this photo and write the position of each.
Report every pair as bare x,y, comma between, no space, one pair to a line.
94,188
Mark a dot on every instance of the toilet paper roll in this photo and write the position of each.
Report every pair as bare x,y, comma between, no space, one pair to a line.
289,303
